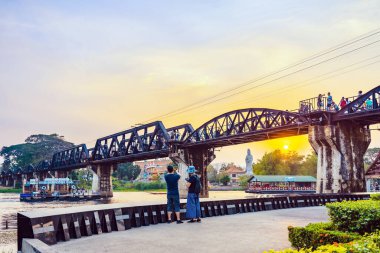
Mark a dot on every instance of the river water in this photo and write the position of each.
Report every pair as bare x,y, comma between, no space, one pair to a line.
10,205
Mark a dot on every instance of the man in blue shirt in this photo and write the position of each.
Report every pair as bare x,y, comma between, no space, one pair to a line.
173,194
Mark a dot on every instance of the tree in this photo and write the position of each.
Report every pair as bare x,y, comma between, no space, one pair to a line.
211,174
36,148
223,168
243,180
292,162
224,178
270,164
127,171
155,177
309,165
371,155
287,163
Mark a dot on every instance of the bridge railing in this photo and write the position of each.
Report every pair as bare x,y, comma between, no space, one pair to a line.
363,103
312,104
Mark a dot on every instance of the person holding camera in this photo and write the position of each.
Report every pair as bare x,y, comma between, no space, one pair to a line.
193,207
171,179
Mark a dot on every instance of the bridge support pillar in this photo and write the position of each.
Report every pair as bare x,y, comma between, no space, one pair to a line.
201,158
95,180
104,182
179,159
340,150
63,189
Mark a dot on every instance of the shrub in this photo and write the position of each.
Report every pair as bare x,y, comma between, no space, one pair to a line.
318,234
355,216
149,186
375,197
368,244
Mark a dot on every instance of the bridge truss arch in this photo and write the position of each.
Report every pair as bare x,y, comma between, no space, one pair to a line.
360,108
247,125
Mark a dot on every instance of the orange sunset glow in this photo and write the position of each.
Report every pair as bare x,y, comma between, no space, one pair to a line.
67,70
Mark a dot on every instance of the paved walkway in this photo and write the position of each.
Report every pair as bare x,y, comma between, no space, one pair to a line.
248,233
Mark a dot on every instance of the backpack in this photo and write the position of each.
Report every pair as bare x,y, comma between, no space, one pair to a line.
198,185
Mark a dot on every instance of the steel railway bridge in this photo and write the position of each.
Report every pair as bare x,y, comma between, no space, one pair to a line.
340,139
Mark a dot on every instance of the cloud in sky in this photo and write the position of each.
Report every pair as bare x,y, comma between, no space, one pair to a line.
89,68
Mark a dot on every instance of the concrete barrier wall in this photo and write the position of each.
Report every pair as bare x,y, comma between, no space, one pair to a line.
61,225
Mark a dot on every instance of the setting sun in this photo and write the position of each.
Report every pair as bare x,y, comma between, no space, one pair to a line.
286,147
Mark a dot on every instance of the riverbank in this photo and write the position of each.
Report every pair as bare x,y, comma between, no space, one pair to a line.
8,241
10,190
136,190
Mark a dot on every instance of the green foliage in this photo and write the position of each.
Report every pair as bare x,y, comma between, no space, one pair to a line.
270,164
10,190
120,185
309,165
367,244
224,178
243,181
155,177
370,155
212,174
361,216
375,197
149,186
127,171
286,163
35,149
318,234
223,168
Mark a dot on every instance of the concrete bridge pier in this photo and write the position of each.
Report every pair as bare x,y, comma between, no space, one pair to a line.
102,179
201,158
340,150
180,159
198,157
59,187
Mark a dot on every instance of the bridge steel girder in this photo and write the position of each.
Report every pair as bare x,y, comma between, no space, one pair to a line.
356,109
140,143
184,131
247,125
72,158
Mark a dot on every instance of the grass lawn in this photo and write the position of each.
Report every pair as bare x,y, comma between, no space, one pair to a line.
10,190
135,190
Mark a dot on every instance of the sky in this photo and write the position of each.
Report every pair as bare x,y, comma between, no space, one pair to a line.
87,69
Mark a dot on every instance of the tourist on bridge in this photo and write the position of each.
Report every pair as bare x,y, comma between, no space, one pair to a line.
329,101
320,102
172,179
343,103
193,207
368,104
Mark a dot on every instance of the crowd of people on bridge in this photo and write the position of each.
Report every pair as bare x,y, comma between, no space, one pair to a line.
193,183
328,104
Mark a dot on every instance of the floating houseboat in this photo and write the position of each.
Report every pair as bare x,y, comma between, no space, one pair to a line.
53,189
281,184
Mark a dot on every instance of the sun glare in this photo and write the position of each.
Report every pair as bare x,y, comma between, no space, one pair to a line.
286,147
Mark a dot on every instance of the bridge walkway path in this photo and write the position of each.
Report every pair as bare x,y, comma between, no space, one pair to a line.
250,232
